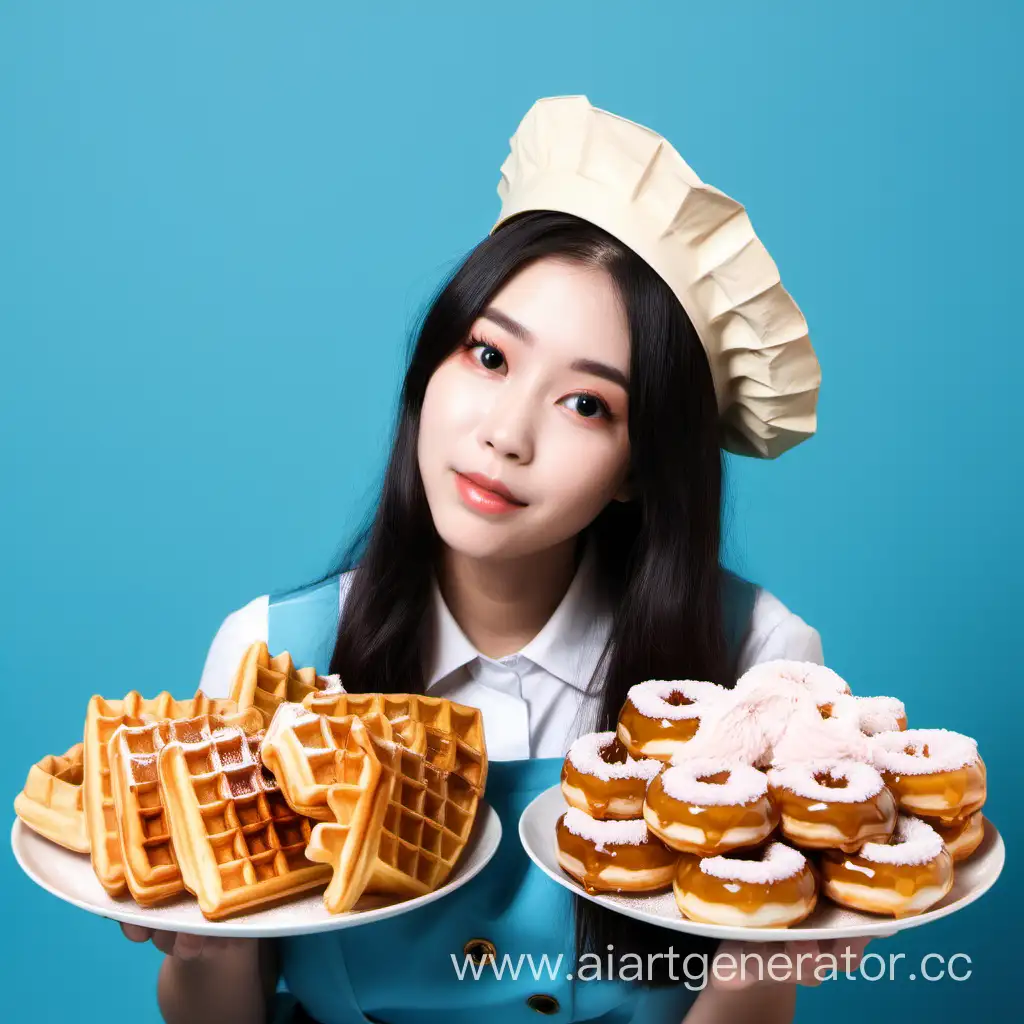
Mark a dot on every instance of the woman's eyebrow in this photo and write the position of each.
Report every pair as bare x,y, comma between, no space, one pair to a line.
591,366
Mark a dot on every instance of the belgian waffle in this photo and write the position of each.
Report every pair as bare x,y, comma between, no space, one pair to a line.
454,733
102,719
308,753
51,801
264,682
238,844
147,853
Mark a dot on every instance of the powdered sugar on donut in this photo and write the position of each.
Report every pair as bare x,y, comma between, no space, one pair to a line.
650,697
862,781
632,832
902,753
585,755
778,863
743,786
914,842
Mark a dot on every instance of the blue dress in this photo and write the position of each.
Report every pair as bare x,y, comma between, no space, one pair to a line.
406,969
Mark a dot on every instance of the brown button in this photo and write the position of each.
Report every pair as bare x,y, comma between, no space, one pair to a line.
543,1003
480,950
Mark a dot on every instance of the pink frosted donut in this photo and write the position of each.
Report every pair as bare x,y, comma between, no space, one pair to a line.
903,877
869,715
936,773
822,682
660,716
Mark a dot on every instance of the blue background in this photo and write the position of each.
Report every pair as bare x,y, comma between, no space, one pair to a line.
219,221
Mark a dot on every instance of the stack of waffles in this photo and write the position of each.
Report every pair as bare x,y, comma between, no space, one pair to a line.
287,784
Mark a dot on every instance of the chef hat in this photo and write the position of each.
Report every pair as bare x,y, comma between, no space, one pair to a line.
570,156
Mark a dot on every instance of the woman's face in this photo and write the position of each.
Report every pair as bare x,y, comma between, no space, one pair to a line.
536,412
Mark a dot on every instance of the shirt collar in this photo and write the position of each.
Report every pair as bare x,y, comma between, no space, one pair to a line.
568,646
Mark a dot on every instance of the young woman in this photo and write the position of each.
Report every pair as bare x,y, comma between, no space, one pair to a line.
547,535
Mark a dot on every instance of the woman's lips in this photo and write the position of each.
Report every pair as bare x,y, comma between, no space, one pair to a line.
479,499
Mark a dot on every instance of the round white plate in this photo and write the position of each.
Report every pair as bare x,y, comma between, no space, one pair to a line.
971,879
70,876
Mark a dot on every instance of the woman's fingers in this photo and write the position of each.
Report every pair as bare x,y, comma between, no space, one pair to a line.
136,932
164,941
188,947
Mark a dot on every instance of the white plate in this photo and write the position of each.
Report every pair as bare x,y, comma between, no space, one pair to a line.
971,879
70,876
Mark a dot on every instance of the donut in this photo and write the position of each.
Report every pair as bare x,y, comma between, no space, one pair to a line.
659,716
903,877
935,773
870,715
833,806
770,886
962,836
601,779
823,683
612,856
709,805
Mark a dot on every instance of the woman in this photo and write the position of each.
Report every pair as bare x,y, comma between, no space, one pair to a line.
548,534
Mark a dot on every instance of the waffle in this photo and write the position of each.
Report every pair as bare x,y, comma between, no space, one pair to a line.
51,801
264,682
306,752
147,853
238,844
453,733
102,718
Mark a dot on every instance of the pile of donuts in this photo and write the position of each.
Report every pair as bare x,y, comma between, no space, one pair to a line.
752,801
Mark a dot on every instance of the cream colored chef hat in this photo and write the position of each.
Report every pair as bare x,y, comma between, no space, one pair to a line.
571,156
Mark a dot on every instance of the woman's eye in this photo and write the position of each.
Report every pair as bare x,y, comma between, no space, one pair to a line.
491,357
590,405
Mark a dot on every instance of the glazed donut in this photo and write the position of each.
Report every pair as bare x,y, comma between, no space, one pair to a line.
935,773
822,682
870,715
833,806
903,877
601,779
771,886
962,836
612,856
708,806
659,716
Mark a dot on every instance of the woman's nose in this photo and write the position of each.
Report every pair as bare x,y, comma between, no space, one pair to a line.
507,427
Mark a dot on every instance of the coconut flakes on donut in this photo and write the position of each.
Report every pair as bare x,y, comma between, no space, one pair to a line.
632,832
862,781
778,863
871,715
808,737
915,842
819,679
682,782
650,697
585,754
947,751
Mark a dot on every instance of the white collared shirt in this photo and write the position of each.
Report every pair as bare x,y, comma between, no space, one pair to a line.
534,702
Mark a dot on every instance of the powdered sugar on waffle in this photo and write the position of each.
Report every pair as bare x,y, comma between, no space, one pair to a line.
778,863
902,752
650,697
585,754
862,781
632,832
743,786
914,842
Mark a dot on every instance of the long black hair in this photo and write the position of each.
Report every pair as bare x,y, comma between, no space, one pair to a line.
658,554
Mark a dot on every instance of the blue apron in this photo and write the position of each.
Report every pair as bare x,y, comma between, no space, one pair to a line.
403,970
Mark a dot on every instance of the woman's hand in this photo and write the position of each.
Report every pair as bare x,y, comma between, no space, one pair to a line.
799,966
181,944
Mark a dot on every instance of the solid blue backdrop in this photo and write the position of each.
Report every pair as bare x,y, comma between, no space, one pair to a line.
218,222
